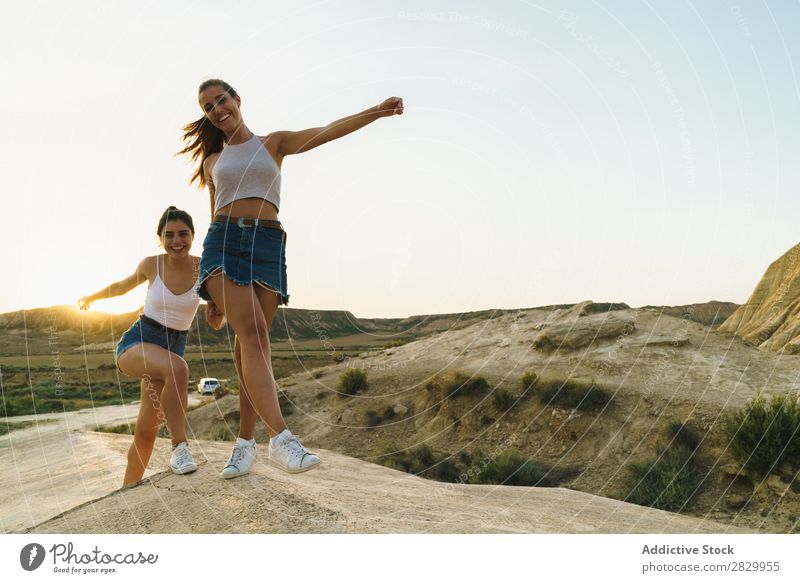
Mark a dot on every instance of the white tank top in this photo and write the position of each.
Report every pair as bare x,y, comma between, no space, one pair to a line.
168,309
246,170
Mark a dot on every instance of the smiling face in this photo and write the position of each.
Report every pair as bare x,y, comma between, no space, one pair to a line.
221,109
176,238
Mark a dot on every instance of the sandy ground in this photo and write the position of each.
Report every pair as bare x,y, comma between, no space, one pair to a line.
344,495
55,465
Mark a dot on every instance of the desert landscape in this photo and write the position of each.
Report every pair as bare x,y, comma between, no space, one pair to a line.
548,419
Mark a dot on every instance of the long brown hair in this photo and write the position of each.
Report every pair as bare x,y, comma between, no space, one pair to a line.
201,137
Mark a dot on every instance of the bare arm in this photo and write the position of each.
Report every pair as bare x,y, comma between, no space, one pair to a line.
214,316
118,288
298,142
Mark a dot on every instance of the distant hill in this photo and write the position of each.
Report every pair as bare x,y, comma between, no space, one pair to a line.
36,331
711,313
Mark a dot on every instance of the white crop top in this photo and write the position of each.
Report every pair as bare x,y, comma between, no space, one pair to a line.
168,309
246,170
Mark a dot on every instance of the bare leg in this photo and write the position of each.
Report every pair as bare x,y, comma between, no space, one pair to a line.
165,377
245,315
144,437
247,414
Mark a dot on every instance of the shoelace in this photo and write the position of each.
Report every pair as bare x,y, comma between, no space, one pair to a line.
293,442
238,454
183,456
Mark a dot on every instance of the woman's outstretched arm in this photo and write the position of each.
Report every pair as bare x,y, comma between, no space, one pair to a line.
298,142
118,288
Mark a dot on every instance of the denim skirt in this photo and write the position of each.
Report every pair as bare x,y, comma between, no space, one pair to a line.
246,255
148,330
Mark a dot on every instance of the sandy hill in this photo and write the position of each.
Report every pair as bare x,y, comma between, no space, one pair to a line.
771,317
661,370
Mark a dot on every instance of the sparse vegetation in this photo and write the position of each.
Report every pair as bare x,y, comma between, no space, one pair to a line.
223,389
48,396
7,427
765,434
423,462
223,433
503,400
371,418
122,428
393,344
672,480
529,381
509,468
573,394
285,403
352,381
456,384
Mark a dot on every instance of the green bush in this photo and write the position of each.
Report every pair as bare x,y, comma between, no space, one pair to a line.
509,468
352,381
503,400
372,418
222,433
424,463
122,428
573,394
529,381
683,436
285,403
393,344
669,482
763,435
455,384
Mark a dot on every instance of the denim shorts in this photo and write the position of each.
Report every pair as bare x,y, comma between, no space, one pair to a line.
246,255
148,330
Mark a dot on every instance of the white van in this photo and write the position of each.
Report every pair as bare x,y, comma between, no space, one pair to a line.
207,386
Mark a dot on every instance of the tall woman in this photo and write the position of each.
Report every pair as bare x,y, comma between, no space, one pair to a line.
243,266
152,348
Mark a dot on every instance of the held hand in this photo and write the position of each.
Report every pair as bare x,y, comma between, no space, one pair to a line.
84,303
391,106
214,316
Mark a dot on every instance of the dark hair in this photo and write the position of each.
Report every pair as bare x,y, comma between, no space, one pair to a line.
173,214
201,137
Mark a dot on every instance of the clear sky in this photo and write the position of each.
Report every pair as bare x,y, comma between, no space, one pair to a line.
643,152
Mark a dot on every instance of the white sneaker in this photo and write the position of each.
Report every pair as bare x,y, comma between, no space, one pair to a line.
242,458
182,461
287,453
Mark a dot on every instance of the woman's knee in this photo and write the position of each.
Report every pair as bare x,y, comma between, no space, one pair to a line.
254,333
179,371
145,436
